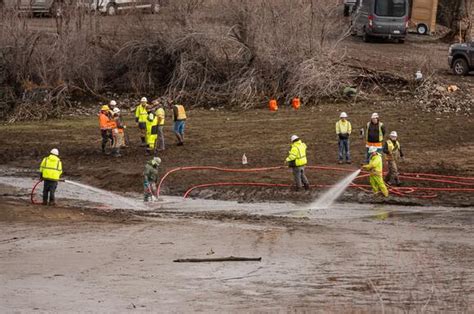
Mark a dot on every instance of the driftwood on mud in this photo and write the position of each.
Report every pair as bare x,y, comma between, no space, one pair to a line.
218,259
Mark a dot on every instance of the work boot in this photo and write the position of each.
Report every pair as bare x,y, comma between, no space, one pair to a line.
53,203
44,203
180,144
348,162
143,143
340,162
306,187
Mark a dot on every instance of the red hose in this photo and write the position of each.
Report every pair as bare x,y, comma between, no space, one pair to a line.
400,191
32,196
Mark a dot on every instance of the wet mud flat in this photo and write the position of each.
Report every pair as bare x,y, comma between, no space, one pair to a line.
352,257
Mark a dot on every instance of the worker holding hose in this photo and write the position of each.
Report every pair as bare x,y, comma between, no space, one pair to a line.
51,169
393,153
151,178
375,167
297,160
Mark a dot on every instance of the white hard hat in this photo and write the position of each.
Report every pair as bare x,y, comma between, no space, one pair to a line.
372,149
55,152
343,115
393,134
116,110
113,103
156,161
375,115
294,138
144,99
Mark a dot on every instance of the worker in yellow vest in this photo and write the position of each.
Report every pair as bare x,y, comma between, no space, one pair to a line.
141,114
375,133
297,160
151,132
179,117
343,131
393,153
51,169
160,114
375,168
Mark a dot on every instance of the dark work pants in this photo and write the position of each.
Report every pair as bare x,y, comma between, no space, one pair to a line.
106,136
48,191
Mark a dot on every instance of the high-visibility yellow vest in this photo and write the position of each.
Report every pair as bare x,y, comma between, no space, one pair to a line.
380,132
151,131
298,153
393,148
375,165
141,113
343,127
51,168
160,113
181,112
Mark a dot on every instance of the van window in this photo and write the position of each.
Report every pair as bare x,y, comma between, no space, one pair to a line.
395,8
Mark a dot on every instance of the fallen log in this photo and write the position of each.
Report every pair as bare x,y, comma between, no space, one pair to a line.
218,259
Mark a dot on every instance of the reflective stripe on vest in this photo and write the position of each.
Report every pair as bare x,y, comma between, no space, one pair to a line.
380,132
51,168
181,112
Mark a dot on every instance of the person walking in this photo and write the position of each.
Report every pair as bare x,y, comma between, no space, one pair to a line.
297,160
179,117
51,170
105,125
375,168
375,133
393,153
150,178
343,131
160,114
141,114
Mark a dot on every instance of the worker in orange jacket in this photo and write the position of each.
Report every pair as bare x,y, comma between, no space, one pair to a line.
106,124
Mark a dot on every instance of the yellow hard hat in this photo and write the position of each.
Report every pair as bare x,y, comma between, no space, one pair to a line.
105,108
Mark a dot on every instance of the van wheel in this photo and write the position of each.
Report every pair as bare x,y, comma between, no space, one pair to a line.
346,10
366,38
460,67
422,29
111,9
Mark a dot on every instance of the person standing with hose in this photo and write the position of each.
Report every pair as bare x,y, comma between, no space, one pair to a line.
51,169
375,168
297,160
150,178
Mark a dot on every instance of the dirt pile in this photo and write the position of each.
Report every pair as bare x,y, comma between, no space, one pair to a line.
438,98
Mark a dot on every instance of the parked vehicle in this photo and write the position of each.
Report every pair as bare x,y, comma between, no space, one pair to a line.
423,16
34,7
461,58
349,6
381,19
113,7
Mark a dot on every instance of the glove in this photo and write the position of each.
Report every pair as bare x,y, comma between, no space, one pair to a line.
41,176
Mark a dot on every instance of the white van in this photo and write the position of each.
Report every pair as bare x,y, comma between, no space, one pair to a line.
113,7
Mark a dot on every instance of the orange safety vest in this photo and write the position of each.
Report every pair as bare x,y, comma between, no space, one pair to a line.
104,121
181,113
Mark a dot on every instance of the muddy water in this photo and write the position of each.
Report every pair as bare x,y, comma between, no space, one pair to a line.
348,258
